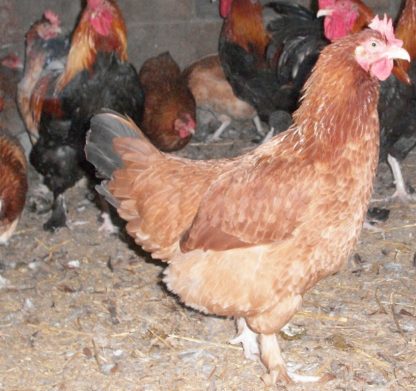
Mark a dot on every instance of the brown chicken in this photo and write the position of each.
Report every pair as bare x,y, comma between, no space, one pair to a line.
213,93
247,237
13,184
169,117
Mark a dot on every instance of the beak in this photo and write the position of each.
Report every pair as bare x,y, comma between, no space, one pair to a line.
192,131
396,53
324,12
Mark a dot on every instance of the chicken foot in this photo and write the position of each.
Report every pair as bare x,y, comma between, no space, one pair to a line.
225,123
401,194
107,225
272,359
247,338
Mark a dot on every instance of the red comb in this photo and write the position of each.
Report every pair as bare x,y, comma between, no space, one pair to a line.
385,27
93,4
52,17
326,3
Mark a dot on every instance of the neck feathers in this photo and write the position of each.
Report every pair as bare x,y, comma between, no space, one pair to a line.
86,43
340,99
245,27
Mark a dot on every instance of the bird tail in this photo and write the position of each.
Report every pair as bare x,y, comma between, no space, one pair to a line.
113,141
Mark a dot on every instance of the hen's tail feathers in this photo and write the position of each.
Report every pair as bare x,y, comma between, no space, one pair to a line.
106,128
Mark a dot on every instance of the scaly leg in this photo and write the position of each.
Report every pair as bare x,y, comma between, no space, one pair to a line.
247,338
258,125
217,134
401,192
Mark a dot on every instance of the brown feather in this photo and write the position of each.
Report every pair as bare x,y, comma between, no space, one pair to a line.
406,31
13,184
365,16
212,91
301,203
244,26
167,98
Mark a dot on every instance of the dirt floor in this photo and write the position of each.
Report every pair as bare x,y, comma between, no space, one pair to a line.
82,310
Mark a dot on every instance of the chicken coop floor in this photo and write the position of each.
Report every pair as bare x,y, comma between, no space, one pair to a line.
82,310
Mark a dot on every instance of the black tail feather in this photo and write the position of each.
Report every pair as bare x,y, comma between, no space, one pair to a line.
99,146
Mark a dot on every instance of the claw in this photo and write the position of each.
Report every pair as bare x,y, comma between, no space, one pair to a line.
107,226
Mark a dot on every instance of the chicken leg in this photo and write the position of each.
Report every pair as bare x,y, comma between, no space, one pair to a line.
401,192
225,122
58,217
247,338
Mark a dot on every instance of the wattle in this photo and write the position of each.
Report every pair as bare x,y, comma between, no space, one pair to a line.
382,69
184,133
225,7
334,29
102,23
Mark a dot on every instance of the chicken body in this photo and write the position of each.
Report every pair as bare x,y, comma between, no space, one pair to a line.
247,237
169,116
13,184
213,93
96,75
269,68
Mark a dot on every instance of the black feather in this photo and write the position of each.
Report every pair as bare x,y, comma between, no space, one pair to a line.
59,152
297,39
99,146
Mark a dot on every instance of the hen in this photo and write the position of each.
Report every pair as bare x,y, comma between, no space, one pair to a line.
254,233
13,184
13,165
96,75
169,107
268,68
213,93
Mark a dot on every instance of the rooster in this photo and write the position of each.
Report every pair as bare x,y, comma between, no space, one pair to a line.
169,107
46,50
96,75
254,233
213,93
268,68
13,184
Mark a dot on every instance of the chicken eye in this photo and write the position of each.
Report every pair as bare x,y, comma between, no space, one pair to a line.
373,44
